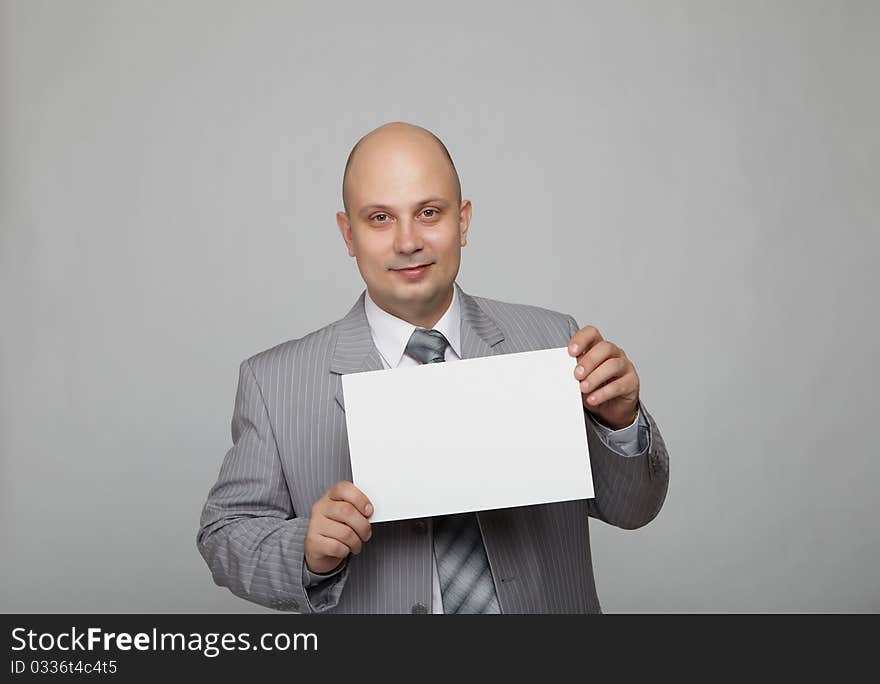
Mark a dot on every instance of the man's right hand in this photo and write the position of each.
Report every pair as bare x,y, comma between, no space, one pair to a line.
339,526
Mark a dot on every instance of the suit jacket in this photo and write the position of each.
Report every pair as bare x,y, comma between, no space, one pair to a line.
290,445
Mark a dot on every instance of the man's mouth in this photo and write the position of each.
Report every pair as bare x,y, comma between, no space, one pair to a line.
412,272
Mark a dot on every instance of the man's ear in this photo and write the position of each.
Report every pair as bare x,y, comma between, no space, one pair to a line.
345,228
464,220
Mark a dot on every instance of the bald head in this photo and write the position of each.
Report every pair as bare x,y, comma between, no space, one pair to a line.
380,153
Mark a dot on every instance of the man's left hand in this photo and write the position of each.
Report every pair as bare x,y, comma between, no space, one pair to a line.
608,379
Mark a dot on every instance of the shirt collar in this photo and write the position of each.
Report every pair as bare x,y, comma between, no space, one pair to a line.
391,334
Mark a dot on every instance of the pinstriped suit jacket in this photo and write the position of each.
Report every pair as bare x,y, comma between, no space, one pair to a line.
290,445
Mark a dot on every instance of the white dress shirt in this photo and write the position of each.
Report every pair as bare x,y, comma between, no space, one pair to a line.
391,335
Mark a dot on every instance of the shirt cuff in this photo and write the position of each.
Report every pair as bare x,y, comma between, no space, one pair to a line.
319,587
312,579
629,441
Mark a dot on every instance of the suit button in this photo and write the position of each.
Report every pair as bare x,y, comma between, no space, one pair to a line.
419,609
420,527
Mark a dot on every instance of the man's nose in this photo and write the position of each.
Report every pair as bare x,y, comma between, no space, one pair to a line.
407,236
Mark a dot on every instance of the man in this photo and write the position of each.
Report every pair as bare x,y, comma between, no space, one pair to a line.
285,527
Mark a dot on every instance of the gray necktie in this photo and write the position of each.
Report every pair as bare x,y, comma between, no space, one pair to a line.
465,578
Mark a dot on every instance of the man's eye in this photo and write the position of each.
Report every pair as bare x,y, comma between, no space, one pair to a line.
433,213
376,217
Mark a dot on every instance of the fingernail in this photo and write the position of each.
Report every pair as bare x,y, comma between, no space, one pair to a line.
579,370
574,348
585,385
369,510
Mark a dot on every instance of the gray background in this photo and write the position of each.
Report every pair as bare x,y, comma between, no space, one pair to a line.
699,180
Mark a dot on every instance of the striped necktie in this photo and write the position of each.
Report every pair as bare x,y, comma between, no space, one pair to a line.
466,583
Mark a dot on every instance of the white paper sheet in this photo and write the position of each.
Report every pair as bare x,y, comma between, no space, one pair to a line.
476,434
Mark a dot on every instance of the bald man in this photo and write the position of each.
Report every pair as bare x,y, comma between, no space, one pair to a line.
286,528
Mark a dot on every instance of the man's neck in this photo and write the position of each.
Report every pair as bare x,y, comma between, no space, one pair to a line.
425,316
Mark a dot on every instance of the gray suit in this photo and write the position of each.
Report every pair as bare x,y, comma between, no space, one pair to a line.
290,445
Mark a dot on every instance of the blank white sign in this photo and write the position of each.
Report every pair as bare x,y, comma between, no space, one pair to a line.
476,434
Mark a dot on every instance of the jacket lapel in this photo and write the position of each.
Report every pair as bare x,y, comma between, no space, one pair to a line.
354,351
479,333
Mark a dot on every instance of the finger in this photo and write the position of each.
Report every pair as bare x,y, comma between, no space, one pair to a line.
344,512
617,388
583,339
346,491
342,533
615,367
330,547
600,352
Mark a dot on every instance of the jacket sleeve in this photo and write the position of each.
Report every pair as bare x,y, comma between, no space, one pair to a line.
629,491
249,534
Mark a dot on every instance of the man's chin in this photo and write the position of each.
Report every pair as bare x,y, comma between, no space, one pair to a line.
422,291
414,293
403,285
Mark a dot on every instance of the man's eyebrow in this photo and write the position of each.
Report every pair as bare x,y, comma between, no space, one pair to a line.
429,200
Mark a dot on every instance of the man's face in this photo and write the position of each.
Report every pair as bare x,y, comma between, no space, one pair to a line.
403,213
